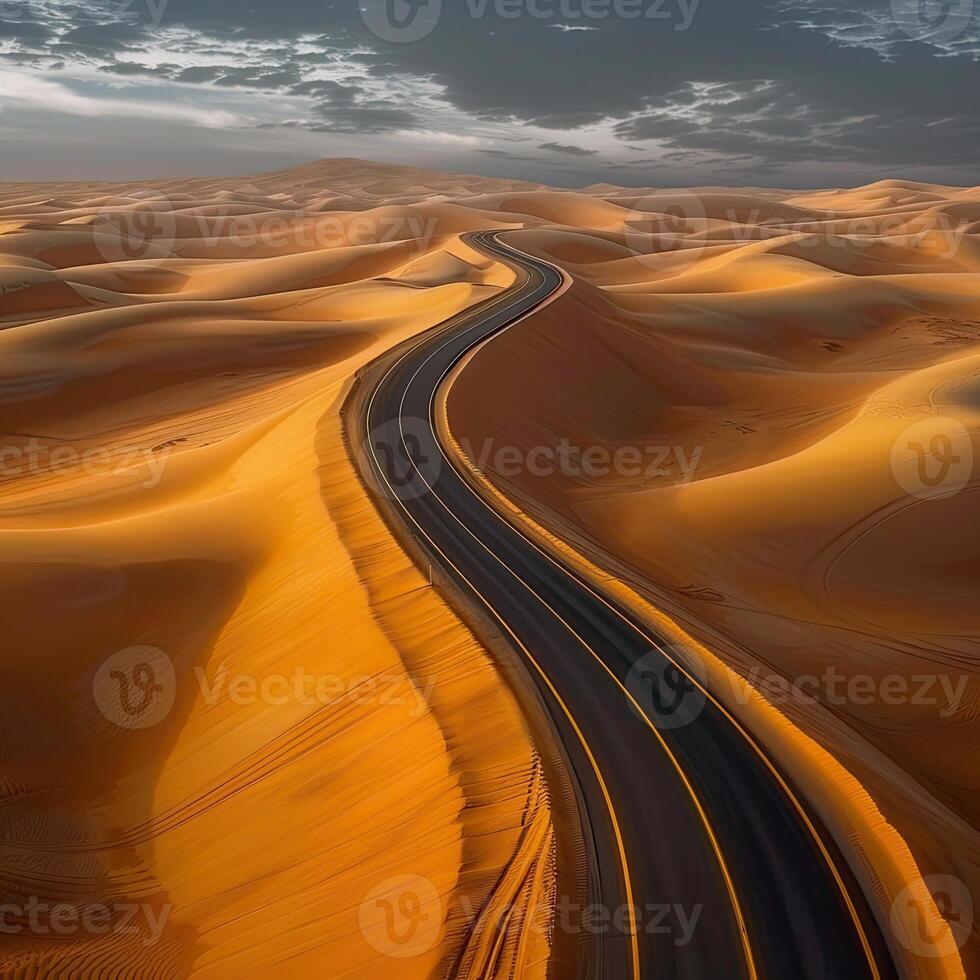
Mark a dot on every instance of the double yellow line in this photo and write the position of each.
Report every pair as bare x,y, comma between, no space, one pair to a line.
750,741
703,816
635,952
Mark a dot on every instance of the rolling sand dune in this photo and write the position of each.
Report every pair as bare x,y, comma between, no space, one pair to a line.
175,479
803,393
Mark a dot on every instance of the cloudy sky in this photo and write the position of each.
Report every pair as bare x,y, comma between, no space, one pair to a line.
796,93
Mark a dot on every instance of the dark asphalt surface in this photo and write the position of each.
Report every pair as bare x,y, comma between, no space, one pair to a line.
797,922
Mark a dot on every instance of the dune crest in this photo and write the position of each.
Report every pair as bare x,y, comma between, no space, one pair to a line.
179,509
767,405
323,736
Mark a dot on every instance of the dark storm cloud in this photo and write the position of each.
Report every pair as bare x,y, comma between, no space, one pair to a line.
567,148
658,126
875,99
777,82
504,155
336,91
251,78
132,71
793,122
201,74
27,30
366,118
103,37
574,78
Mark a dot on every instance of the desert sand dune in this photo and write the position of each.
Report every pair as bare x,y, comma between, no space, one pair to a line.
187,344
204,506
787,377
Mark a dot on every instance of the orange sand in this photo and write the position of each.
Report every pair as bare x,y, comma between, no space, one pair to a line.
790,352
202,335
257,827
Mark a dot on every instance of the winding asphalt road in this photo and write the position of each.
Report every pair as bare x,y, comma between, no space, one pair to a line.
686,821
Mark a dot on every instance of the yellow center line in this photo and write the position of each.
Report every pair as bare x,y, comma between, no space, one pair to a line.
635,953
647,637
712,837
702,814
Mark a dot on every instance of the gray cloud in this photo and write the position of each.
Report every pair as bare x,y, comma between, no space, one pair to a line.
567,148
103,37
367,118
25,31
256,78
785,86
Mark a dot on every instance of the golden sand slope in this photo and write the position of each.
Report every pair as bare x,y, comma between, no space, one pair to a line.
802,369
174,356
242,736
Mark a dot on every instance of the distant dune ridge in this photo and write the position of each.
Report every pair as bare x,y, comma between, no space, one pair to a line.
803,370
175,481
175,478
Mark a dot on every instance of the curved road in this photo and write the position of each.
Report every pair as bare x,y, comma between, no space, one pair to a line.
686,821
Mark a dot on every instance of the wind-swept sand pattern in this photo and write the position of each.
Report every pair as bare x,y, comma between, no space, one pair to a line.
204,505
174,356
788,354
